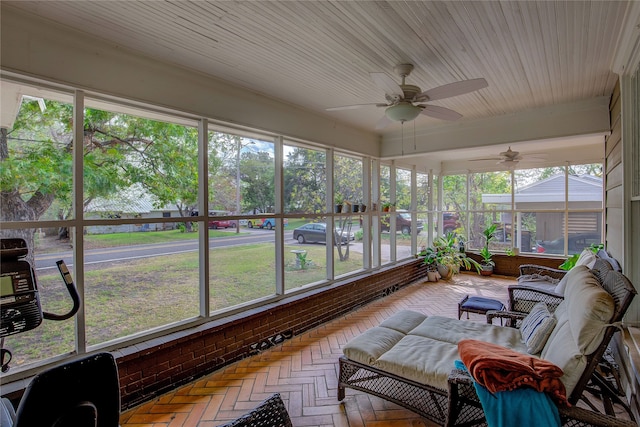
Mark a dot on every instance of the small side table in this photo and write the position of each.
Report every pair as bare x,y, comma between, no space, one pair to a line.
479,305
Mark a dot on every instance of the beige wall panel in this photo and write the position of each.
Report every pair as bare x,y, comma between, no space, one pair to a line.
614,199
615,105
614,177
614,158
614,232
613,140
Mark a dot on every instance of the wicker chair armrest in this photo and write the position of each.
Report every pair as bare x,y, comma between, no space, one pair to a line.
460,377
531,295
511,316
554,273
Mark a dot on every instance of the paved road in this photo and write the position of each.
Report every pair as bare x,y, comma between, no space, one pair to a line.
47,261
114,254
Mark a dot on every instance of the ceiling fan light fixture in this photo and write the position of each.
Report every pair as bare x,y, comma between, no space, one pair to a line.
403,112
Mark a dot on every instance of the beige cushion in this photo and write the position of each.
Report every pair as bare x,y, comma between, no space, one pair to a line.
589,307
537,327
403,321
420,359
562,351
453,330
370,345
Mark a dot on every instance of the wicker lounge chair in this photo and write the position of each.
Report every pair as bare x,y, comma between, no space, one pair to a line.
368,363
539,283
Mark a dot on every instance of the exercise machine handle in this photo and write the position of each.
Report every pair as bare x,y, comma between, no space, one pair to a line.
73,292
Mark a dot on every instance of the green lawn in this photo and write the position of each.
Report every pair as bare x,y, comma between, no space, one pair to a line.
129,297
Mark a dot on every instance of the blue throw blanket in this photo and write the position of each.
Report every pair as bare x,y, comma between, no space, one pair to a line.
522,407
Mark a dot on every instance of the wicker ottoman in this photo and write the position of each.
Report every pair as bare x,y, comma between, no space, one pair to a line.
479,305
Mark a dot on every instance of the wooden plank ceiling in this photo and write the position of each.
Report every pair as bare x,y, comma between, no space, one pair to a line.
318,54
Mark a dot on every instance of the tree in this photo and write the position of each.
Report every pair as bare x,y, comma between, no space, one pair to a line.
223,164
118,151
257,173
36,166
305,181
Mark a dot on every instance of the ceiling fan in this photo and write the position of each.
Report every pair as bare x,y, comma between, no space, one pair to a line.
405,102
511,157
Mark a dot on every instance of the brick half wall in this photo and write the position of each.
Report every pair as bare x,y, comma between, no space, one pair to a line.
152,368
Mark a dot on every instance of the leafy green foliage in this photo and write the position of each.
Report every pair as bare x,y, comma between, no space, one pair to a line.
446,251
488,234
570,262
257,181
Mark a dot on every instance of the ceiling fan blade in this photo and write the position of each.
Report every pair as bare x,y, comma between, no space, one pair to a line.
386,83
485,159
355,106
383,122
454,89
440,112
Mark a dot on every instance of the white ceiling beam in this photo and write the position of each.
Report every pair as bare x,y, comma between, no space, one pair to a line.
588,117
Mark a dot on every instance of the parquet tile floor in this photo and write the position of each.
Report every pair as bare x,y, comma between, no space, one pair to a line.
304,369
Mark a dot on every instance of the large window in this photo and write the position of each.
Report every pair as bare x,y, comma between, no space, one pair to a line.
305,201
138,166
552,211
151,249
490,203
241,223
347,175
167,220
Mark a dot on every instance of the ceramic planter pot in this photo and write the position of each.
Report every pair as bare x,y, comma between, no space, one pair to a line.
487,270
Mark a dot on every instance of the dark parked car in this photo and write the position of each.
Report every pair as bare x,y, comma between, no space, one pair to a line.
450,221
403,223
317,232
577,242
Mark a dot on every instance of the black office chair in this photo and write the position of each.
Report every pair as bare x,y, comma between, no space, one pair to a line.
82,393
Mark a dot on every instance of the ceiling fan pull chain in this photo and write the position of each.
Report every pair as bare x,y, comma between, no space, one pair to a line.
402,136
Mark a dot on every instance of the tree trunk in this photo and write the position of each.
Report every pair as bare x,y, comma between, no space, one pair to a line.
14,208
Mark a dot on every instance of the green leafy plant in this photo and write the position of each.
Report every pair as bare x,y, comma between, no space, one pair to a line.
489,234
570,262
304,262
431,258
448,254
387,206
486,255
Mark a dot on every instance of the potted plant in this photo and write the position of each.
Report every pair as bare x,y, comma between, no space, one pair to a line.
487,263
388,206
339,203
431,258
449,256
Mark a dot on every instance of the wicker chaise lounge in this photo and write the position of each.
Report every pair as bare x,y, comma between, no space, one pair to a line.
409,358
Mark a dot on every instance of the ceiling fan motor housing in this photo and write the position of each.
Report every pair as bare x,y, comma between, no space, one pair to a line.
410,91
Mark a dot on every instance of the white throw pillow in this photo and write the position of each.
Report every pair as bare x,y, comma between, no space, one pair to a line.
537,327
587,257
